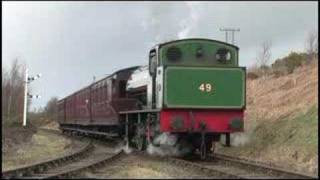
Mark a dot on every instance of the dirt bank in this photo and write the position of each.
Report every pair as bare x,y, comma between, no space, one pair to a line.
281,121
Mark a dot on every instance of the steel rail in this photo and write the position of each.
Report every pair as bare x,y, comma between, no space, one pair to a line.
58,168
214,173
235,162
260,167
226,170
95,160
69,173
43,166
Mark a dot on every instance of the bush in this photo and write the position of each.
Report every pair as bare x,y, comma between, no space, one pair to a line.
255,72
252,75
280,67
51,109
289,63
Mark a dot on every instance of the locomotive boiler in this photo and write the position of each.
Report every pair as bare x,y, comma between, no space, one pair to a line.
191,88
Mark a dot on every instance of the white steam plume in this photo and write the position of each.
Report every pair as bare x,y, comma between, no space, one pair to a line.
123,146
189,24
167,144
241,138
171,20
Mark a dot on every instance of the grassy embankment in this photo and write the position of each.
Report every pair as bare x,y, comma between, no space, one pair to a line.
28,145
40,147
281,121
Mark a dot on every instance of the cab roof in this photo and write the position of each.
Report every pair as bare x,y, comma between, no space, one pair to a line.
201,39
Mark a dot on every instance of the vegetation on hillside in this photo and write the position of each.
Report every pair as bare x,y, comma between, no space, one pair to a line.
281,119
282,66
13,94
289,143
13,98
46,115
285,65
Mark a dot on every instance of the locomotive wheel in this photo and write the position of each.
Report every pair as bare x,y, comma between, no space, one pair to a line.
213,147
140,138
141,143
185,147
203,151
206,149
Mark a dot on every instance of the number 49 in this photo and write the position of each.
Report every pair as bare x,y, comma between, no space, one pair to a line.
205,87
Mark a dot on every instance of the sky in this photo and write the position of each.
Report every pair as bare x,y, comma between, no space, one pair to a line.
70,42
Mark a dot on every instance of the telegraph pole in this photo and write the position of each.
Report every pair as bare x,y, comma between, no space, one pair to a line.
25,99
26,94
232,30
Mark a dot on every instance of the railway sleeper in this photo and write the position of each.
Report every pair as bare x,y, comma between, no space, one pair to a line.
204,169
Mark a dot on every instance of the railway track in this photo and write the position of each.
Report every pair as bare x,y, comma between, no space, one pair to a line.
45,165
92,155
96,154
263,169
223,166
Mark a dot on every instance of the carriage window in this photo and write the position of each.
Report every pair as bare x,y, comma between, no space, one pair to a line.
122,88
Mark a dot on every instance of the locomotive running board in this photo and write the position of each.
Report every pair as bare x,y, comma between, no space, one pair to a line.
140,111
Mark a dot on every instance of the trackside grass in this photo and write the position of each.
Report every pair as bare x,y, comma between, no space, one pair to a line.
291,143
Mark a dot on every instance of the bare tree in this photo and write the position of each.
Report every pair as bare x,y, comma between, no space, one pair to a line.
264,55
4,93
13,92
51,108
312,45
